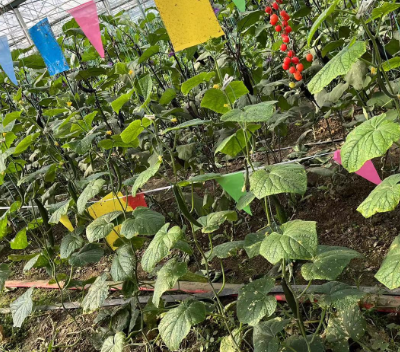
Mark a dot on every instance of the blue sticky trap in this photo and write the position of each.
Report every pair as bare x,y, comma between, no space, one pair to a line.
6,61
44,39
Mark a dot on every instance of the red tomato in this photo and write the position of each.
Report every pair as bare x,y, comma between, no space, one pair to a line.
290,53
287,60
285,66
275,6
285,39
295,60
309,57
278,28
292,69
283,47
299,67
268,9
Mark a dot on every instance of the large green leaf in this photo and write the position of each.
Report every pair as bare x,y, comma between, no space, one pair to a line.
298,343
90,253
102,226
191,123
252,243
329,263
236,143
124,264
118,103
176,324
339,65
25,143
20,241
391,64
385,197
235,90
321,18
96,295
286,178
215,100
145,86
338,295
149,52
264,335
71,242
92,189
195,81
261,112
298,240
167,277
4,274
81,146
383,10
144,177
369,140
3,225
254,303
114,343
21,308
160,246
213,221
224,250
62,209
145,222
167,96
389,272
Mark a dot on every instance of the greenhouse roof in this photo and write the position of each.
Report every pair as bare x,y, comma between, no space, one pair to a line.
17,14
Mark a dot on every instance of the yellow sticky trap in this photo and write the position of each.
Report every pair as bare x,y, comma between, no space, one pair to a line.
107,205
189,22
67,223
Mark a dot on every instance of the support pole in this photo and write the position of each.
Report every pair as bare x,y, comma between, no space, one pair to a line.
107,6
141,8
23,25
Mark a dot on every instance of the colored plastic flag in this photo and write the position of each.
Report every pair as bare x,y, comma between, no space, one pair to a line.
233,185
189,22
367,171
43,37
6,61
111,203
67,223
87,18
240,4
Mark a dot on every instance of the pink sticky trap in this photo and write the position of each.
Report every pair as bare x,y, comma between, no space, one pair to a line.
367,171
87,18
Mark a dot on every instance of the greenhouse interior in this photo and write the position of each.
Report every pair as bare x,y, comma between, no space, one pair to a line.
199,175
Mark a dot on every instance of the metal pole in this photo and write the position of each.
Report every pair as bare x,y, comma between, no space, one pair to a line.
141,8
107,6
23,25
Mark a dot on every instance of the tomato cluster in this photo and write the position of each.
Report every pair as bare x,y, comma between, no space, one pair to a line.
291,62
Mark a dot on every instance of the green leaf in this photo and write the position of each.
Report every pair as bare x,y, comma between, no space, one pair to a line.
144,177
321,18
62,210
96,295
338,295
234,144
90,253
168,95
176,324
146,222
331,46
389,272
81,146
264,335
20,241
245,200
199,179
191,123
329,263
224,250
88,73
102,226
185,152
298,343
276,179
213,221
71,242
118,103
114,343
297,241
4,274
383,10
160,246
132,131
11,116
54,112
215,100
34,175
385,197
252,243
25,143
195,81
339,65
149,52
124,264
21,308
91,190
230,343
369,140
167,277
145,85
253,302
235,90
253,113
391,64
